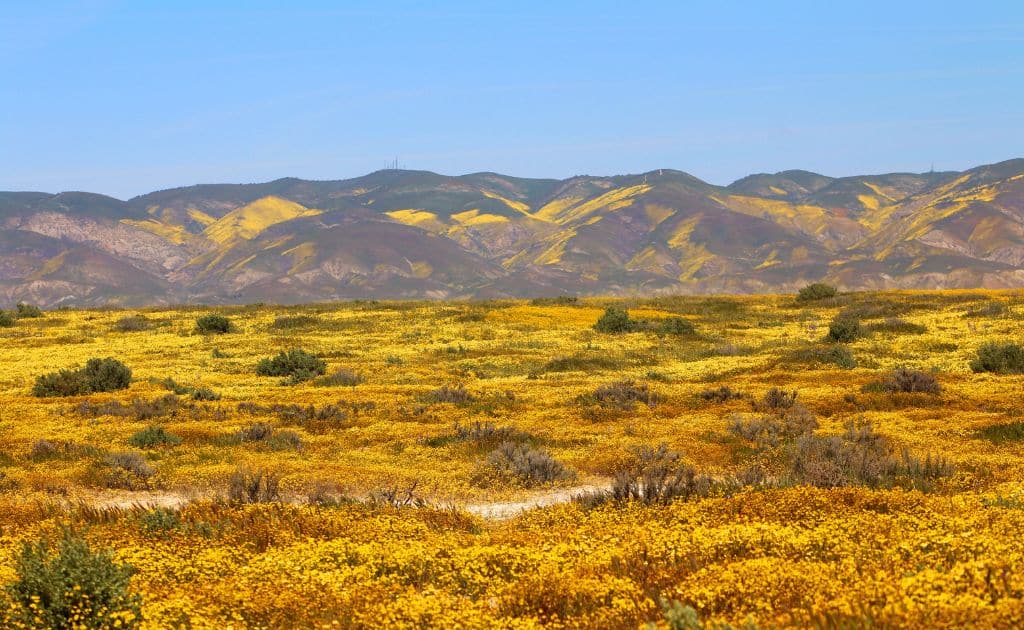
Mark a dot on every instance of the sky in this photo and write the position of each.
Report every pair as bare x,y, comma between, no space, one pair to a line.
123,98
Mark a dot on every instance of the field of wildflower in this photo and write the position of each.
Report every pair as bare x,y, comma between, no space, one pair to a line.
849,460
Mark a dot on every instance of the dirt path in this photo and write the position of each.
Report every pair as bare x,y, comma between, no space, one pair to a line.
491,510
503,510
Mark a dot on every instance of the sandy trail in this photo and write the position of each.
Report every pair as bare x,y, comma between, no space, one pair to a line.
503,510
490,510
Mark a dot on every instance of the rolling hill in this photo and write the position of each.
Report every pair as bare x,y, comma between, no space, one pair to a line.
415,234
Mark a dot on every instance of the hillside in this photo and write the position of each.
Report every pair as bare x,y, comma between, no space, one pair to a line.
415,234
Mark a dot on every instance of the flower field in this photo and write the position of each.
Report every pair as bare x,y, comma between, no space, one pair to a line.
835,461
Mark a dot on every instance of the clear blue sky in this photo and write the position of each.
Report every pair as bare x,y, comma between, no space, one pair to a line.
127,97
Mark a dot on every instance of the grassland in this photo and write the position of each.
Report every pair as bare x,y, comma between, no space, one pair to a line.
378,493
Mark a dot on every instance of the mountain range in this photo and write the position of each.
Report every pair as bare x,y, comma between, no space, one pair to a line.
415,234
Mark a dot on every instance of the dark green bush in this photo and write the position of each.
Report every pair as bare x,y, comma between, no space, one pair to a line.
816,291
153,437
999,357
204,393
24,311
98,375
71,586
675,326
615,320
297,364
844,330
213,324
834,354
6,319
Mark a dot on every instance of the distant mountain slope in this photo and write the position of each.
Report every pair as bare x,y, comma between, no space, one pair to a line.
412,234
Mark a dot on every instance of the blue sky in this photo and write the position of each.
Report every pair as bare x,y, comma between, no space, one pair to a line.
127,97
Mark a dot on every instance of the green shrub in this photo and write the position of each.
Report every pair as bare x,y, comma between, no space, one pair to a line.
834,354
675,326
213,324
204,393
71,586
896,325
98,375
152,437
816,291
615,320
999,357
25,311
844,330
297,364
6,319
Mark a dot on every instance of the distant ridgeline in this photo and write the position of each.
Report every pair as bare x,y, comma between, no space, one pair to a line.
412,234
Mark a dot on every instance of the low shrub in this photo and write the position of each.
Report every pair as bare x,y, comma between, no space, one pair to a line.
152,437
128,470
911,381
658,476
816,291
837,355
999,433
896,325
254,486
676,326
615,320
6,319
98,375
296,364
313,419
526,465
213,324
861,456
987,310
720,394
579,364
133,323
257,432
139,409
204,394
561,300
449,394
844,330
622,395
285,440
292,322
68,585
482,435
27,311
1000,358
341,378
